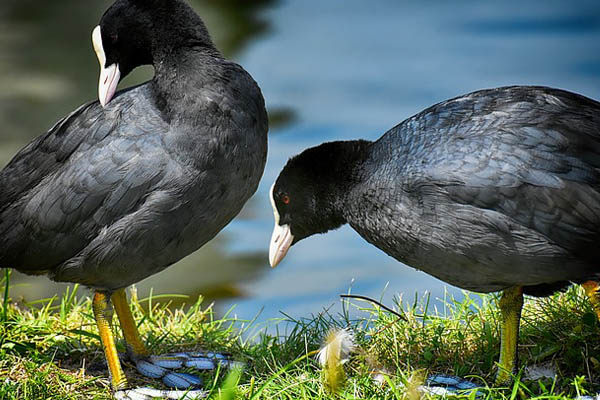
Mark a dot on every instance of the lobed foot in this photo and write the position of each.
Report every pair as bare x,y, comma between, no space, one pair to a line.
162,366
447,385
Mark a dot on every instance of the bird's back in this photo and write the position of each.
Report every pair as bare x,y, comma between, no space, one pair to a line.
484,183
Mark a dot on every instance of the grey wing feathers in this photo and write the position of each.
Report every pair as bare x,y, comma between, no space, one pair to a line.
543,173
44,154
78,187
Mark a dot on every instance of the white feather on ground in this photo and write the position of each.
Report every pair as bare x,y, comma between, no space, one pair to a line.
338,347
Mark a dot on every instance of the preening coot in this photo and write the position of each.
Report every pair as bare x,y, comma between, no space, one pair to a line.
122,188
496,190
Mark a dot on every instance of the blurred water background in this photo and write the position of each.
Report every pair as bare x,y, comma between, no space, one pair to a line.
329,70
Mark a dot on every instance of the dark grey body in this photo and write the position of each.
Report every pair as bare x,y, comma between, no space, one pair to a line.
494,189
110,196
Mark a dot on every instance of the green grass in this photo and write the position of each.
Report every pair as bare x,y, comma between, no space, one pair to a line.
50,349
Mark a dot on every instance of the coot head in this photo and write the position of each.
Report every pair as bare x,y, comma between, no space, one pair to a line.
143,32
309,195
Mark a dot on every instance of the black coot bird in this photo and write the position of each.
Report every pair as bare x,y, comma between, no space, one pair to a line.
496,190
122,188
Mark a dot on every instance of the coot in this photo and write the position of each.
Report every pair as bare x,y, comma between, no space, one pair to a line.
123,187
496,190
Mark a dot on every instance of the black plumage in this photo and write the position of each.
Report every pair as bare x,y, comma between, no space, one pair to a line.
493,189
109,196
125,186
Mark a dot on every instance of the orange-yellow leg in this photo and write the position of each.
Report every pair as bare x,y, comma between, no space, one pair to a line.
511,305
132,337
154,366
158,367
103,315
592,289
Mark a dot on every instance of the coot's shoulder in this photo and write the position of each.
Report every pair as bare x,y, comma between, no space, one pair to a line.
511,100
506,119
79,130
488,108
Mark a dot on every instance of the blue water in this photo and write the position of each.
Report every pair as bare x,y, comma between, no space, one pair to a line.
346,69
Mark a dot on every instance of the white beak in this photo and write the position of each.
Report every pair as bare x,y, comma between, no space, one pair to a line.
281,240
109,76
282,237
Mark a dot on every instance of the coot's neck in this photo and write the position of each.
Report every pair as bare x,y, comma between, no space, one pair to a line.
345,167
178,73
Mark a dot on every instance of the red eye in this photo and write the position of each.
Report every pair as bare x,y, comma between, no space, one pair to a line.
286,199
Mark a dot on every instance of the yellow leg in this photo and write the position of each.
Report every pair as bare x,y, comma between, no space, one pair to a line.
592,289
103,315
132,336
511,304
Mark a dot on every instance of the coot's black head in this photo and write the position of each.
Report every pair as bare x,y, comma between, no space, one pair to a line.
141,32
309,195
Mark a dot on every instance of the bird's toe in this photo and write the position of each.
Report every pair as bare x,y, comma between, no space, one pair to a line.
196,360
443,384
160,369
181,380
161,366
150,369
